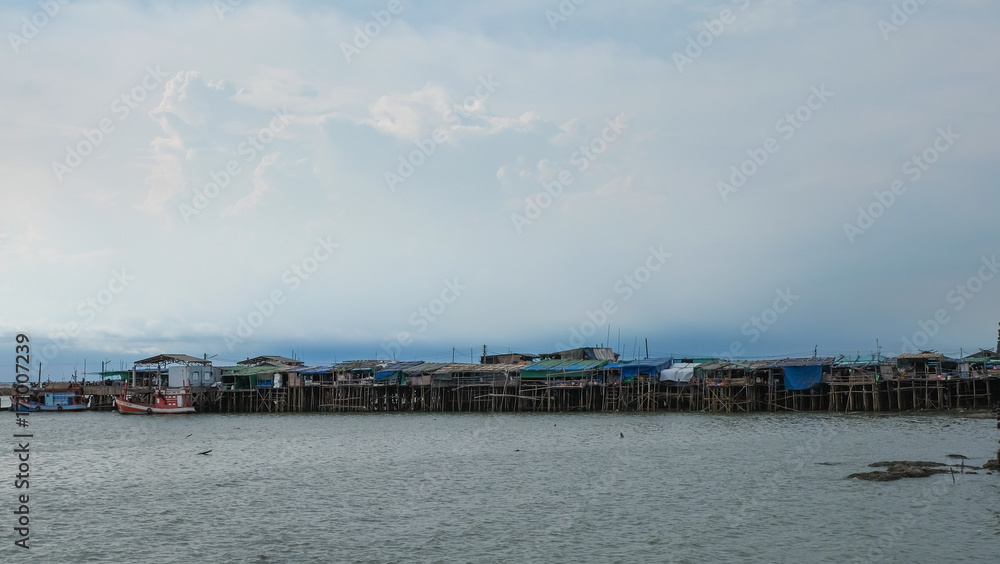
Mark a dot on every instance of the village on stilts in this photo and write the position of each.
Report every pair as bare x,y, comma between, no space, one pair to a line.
587,379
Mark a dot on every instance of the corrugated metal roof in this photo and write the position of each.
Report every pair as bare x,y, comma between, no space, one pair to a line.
396,368
813,361
723,365
603,353
468,367
984,359
697,360
589,353
860,360
557,365
173,359
360,365
982,353
453,368
923,355
324,369
403,364
424,368
274,360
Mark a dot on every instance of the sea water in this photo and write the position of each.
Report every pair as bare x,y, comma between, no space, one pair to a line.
665,487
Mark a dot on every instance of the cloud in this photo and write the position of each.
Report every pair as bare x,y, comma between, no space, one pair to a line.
414,116
260,185
188,118
514,101
207,127
411,116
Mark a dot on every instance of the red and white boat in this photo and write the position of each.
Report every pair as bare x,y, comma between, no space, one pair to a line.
165,400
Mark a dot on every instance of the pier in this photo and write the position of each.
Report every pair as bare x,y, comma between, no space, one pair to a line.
550,395
589,379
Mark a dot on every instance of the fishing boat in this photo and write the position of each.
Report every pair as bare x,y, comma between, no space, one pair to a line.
70,399
165,400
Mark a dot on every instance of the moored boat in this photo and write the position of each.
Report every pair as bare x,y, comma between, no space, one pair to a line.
71,399
166,400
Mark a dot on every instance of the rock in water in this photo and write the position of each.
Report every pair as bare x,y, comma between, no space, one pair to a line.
916,463
899,469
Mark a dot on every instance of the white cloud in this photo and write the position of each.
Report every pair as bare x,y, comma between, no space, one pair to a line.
411,116
260,185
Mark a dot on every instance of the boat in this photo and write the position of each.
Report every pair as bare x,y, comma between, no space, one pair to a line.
70,399
165,400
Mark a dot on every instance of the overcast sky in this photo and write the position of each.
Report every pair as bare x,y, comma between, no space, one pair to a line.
400,179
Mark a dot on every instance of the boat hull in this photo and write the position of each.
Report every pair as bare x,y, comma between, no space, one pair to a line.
32,406
132,408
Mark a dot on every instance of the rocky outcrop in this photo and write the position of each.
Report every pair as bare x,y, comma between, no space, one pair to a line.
899,469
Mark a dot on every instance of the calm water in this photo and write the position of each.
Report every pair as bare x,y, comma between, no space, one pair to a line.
503,488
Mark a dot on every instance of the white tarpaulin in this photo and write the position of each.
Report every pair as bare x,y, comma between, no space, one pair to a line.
678,372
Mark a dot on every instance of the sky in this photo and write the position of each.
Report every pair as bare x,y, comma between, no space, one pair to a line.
415,180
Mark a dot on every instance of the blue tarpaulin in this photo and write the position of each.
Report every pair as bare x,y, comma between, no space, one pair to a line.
646,367
802,377
396,369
